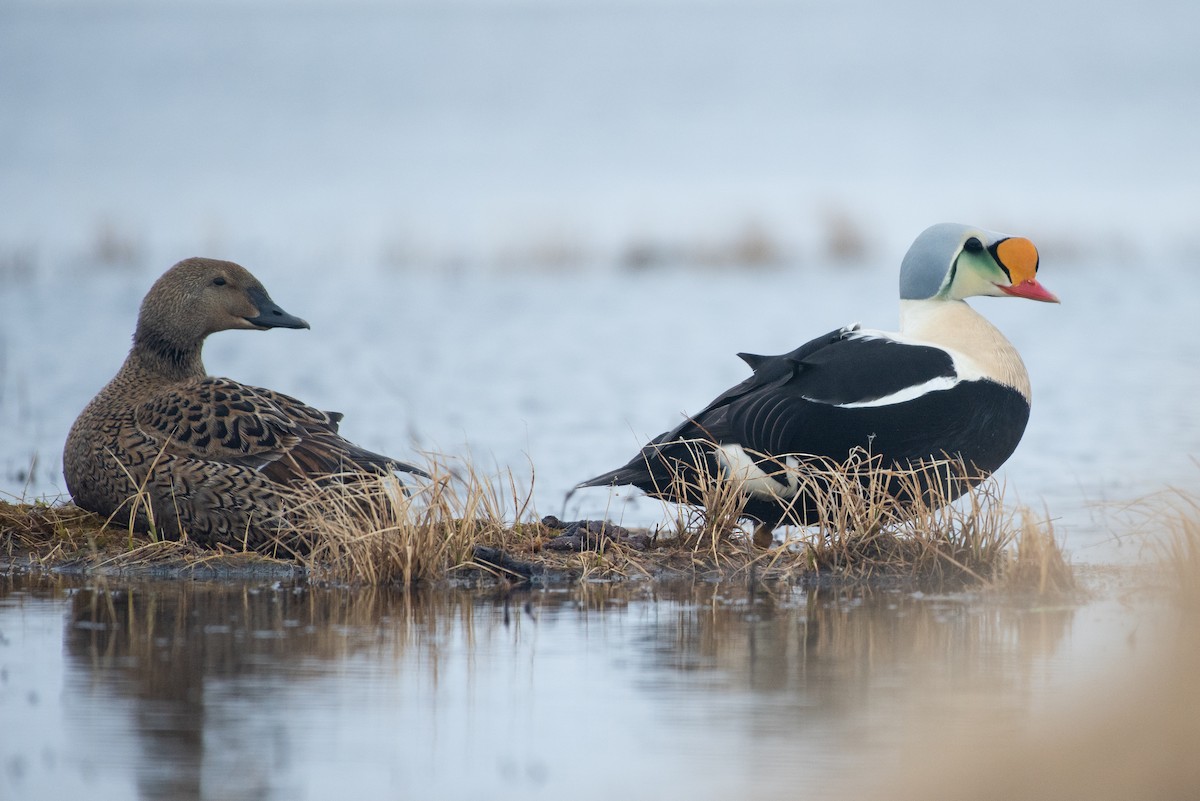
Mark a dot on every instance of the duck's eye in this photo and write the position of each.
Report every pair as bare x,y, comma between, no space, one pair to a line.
973,245
218,281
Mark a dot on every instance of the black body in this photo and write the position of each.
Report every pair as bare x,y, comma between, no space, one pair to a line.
801,403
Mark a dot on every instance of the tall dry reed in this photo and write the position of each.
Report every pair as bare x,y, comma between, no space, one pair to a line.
377,529
935,520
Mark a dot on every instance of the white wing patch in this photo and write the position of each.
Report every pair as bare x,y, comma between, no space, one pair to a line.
856,331
740,467
964,367
907,394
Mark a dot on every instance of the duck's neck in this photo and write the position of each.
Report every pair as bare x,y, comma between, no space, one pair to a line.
978,346
157,358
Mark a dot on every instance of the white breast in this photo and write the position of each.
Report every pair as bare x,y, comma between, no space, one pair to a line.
978,348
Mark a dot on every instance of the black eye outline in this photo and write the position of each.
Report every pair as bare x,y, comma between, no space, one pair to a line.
218,281
973,245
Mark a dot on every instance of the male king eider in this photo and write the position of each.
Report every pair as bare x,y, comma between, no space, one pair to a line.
166,445
948,385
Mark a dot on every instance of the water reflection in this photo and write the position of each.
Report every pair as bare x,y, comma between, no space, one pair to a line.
234,691
815,682
211,665
776,640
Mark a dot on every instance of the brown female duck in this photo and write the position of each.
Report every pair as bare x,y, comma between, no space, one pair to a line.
210,457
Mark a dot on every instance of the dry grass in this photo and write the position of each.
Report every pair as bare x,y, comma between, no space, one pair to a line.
47,531
706,527
871,521
43,535
1037,563
376,530
1178,515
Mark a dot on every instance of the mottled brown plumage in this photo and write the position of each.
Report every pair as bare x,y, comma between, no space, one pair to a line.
210,457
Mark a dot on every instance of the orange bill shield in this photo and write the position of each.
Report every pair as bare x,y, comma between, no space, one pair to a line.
1019,258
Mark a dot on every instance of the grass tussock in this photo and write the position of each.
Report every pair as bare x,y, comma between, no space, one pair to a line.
867,520
380,530
1174,519
45,535
866,523
874,519
47,531
1036,561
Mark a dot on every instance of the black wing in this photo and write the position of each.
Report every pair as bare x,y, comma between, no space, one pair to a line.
802,402
767,412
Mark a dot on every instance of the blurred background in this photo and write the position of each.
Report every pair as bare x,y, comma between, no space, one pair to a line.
465,135
538,231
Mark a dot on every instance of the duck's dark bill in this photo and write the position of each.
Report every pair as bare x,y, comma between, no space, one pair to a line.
270,315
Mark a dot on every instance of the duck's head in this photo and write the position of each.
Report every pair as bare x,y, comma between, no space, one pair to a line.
198,297
949,261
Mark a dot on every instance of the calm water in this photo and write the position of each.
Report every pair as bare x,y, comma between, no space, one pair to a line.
453,194
191,690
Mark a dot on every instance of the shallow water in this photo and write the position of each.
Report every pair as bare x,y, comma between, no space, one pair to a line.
455,195
195,690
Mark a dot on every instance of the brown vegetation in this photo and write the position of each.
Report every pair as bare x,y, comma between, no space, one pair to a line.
44,536
376,530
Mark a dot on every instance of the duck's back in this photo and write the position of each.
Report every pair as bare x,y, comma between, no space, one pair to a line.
117,467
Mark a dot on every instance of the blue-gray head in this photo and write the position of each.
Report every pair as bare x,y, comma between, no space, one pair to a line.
949,261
